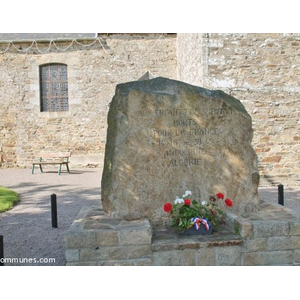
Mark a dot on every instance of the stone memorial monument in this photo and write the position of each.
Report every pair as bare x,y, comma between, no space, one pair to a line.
165,137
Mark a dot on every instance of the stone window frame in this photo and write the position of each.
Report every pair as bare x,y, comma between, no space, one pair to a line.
33,103
62,102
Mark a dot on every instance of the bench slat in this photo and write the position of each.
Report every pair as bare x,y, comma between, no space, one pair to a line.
49,162
54,155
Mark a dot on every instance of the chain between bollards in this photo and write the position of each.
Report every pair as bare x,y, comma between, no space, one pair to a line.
280,195
54,211
1,251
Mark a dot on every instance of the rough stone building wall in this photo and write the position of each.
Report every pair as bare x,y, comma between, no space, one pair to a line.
262,70
93,73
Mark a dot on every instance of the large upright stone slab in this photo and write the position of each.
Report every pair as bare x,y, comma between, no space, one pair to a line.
165,137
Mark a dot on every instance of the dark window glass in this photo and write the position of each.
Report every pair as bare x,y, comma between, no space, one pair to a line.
54,87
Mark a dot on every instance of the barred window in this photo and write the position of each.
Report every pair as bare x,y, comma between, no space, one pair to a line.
54,87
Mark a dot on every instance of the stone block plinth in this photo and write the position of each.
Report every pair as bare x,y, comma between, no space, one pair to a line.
98,239
270,236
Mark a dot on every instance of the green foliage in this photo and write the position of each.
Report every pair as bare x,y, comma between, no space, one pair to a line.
236,229
184,210
7,199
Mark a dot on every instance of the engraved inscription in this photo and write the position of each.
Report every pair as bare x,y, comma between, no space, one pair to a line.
185,162
184,140
177,112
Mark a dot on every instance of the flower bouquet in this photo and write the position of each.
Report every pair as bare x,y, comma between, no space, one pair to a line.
186,213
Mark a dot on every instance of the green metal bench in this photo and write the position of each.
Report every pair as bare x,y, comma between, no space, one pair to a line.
60,158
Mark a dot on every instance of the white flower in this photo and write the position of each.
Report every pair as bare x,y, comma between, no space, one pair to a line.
203,202
187,193
178,200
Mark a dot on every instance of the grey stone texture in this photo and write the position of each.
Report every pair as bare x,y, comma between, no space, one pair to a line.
137,244
270,235
133,243
270,258
96,239
165,137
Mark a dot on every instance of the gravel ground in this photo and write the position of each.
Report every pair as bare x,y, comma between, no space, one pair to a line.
27,228
291,197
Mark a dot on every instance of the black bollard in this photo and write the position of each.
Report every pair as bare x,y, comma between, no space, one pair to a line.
54,211
280,195
1,251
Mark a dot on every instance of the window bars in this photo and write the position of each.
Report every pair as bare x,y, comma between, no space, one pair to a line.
54,87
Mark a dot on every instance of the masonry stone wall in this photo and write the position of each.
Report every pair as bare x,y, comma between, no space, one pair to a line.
93,73
268,237
261,70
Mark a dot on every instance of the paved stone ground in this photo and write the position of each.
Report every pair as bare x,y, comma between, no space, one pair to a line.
291,196
27,228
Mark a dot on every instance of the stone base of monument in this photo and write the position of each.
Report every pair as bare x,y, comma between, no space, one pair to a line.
201,231
270,236
94,238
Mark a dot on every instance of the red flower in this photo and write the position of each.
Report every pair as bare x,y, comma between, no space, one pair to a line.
187,202
228,202
220,195
168,207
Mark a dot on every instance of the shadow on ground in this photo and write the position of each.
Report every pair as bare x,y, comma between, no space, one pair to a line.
27,228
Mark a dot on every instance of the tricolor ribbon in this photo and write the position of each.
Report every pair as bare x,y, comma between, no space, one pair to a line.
198,221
